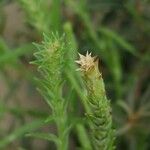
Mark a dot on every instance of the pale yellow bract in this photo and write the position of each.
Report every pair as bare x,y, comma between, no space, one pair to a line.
86,62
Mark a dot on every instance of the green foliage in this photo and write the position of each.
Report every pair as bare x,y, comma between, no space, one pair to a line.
19,132
50,61
117,32
43,20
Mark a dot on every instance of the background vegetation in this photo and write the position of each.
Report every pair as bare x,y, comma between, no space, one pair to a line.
117,31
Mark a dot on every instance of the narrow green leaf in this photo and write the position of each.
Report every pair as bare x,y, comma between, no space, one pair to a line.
15,54
45,136
18,133
119,40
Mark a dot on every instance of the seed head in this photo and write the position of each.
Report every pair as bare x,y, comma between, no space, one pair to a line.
86,62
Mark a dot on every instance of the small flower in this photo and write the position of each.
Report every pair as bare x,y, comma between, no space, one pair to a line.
86,62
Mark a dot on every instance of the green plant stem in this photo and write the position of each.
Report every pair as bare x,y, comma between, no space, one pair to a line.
83,137
61,120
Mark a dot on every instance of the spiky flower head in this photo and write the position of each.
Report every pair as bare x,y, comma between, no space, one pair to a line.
86,62
99,116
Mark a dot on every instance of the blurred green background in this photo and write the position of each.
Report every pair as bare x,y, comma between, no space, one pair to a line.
117,31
